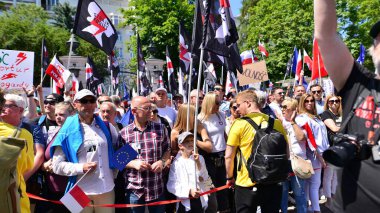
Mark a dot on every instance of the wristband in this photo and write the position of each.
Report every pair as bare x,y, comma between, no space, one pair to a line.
230,178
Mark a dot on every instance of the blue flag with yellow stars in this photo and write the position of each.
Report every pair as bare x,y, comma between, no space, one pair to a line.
123,156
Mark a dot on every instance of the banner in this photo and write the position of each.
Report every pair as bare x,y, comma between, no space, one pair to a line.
253,73
16,70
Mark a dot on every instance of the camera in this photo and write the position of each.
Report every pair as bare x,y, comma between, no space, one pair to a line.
346,148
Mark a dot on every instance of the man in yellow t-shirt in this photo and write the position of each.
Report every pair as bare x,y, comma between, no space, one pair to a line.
249,195
26,158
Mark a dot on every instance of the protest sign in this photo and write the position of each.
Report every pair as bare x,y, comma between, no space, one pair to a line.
16,70
253,73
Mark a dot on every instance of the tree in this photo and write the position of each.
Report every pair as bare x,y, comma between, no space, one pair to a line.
64,16
283,24
157,21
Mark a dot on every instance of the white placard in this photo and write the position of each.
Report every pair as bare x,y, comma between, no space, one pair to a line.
16,70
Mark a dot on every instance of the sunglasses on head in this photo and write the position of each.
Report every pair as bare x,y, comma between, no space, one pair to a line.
85,101
316,91
46,102
334,101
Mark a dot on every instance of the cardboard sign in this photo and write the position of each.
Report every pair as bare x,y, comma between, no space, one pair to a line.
253,73
16,70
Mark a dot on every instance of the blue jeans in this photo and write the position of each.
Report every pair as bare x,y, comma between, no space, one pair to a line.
299,194
131,198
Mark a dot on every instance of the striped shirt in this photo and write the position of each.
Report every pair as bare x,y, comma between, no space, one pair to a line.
151,144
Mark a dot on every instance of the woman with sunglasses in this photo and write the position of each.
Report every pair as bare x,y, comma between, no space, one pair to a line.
234,115
154,117
214,122
297,145
316,134
332,117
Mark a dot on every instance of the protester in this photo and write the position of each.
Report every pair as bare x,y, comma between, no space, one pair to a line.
55,184
107,113
224,105
317,92
214,122
263,105
163,110
332,117
317,135
152,97
119,109
359,178
151,142
299,90
184,182
278,97
103,98
234,115
297,145
154,117
193,98
249,195
83,150
14,109
178,101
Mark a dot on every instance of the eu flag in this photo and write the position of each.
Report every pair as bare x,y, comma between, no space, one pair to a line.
123,156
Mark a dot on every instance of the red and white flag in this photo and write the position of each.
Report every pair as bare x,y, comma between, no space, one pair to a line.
74,86
299,66
307,60
160,82
169,64
310,137
318,65
248,57
56,89
75,199
58,72
229,84
262,49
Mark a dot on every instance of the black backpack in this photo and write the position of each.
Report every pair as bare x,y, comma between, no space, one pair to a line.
268,162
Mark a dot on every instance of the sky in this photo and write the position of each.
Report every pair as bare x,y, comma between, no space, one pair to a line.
236,5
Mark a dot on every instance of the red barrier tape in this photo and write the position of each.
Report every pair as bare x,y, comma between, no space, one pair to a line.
32,196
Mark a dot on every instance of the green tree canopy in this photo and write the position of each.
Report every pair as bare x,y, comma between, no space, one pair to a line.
64,16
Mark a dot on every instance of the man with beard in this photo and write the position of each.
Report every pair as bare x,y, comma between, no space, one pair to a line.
359,189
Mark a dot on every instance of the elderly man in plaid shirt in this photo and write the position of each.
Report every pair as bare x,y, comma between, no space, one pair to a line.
151,141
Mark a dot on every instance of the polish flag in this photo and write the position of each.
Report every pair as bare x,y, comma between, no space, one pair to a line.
160,82
310,137
75,199
307,60
58,72
229,84
318,65
74,86
248,57
262,49
299,66
56,89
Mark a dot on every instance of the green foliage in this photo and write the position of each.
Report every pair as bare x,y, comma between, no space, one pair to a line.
283,24
158,21
64,16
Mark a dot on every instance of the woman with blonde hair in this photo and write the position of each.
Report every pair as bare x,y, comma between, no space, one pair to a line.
214,122
332,117
316,134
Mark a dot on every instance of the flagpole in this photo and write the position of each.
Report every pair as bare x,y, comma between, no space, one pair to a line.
319,71
303,68
221,78
138,82
188,95
42,61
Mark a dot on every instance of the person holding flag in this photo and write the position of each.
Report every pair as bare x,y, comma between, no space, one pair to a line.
83,148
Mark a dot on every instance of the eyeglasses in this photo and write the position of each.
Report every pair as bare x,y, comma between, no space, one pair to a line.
86,101
334,101
52,103
234,108
9,106
316,91
309,101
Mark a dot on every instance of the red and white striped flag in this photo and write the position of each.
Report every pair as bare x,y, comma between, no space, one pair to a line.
310,137
262,49
248,57
299,66
58,72
75,199
307,60
169,64
160,82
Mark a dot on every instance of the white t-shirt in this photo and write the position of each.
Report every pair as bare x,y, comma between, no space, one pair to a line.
215,126
297,147
168,113
276,108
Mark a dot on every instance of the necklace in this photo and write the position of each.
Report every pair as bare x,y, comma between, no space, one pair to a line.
220,120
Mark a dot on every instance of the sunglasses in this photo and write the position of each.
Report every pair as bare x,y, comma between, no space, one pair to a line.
86,101
218,89
52,103
234,108
334,101
309,101
281,93
316,91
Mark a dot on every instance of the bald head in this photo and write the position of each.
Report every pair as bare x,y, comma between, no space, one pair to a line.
138,101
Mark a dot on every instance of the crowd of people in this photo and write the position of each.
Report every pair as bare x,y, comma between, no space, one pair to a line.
75,139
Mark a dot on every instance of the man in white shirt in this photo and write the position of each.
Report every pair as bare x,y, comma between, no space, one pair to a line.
164,111
278,94
84,147
317,92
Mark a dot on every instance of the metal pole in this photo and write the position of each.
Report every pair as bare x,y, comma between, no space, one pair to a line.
221,78
188,94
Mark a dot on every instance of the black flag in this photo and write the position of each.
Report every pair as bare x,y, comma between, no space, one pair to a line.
93,25
45,56
140,56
